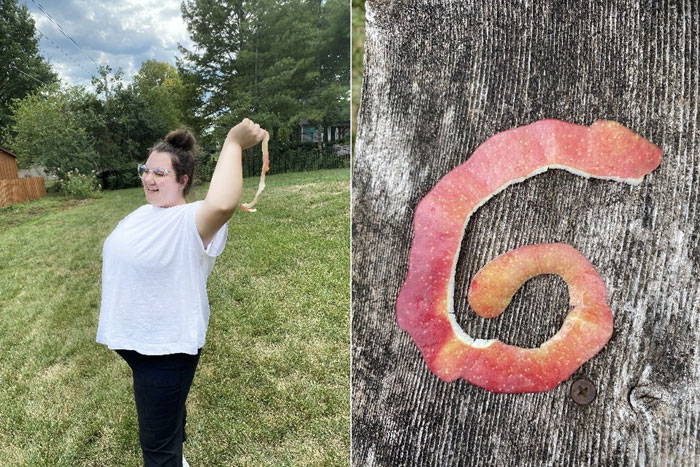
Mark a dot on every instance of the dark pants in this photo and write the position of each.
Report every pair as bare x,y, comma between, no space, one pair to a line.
161,385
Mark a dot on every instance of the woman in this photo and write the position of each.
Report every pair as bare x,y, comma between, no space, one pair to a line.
156,262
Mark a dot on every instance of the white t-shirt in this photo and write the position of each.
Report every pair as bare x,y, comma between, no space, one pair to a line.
154,282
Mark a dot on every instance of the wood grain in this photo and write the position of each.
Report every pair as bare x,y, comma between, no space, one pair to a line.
20,190
440,78
8,166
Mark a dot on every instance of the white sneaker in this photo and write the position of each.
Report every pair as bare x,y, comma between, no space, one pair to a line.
184,462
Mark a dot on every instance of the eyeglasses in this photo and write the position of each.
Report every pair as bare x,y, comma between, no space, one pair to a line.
157,172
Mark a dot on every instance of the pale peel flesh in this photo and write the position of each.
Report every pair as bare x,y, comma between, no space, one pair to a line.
265,167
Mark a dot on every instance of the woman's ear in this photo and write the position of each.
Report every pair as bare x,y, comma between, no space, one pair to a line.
183,181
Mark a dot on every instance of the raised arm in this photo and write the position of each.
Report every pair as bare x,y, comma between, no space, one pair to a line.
227,182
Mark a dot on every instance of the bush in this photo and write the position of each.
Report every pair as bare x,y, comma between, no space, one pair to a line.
122,175
75,185
118,179
52,185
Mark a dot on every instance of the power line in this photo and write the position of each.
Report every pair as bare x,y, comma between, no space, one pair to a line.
61,50
63,32
27,74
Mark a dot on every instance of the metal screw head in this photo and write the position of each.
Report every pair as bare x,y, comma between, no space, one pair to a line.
582,391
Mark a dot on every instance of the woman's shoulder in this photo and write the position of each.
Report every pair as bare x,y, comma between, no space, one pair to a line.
140,212
145,208
148,211
193,206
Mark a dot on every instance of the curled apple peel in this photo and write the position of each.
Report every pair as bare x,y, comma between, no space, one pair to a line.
265,167
424,307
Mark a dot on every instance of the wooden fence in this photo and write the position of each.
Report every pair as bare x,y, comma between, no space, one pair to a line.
20,190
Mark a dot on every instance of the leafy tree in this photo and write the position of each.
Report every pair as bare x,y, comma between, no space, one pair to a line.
358,42
134,125
329,99
69,128
127,125
22,68
48,132
218,29
194,115
107,83
275,61
161,87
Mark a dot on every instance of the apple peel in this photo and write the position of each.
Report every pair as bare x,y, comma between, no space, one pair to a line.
265,167
425,305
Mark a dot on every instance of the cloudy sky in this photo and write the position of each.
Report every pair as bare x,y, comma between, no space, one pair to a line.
118,33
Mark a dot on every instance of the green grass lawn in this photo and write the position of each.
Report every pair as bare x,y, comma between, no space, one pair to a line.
273,382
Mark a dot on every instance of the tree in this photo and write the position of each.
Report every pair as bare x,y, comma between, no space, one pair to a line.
163,90
127,125
276,62
329,99
135,125
193,104
358,41
217,30
440,78
108,83
108,131
48,132
22,68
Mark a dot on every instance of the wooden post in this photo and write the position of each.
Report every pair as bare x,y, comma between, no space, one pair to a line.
440,78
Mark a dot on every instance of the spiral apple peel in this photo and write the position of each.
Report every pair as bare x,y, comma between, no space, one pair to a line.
424,307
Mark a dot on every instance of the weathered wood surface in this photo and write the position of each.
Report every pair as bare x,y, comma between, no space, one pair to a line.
441,77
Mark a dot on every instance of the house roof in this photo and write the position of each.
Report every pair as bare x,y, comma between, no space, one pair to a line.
8,152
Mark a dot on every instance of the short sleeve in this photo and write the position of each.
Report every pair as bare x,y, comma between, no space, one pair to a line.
216,246
158,250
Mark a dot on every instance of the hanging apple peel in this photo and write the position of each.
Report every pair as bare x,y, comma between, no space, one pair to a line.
265,167
424,307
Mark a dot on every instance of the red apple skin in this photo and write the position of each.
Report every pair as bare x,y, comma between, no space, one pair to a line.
607,150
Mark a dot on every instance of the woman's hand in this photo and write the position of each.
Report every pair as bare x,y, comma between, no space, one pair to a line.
245,134
227,181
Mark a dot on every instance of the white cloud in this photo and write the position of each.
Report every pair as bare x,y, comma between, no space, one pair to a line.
121,34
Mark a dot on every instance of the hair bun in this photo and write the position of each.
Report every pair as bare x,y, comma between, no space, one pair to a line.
183,139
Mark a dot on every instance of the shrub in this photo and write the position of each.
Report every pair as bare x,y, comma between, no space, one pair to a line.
52,185
116,179
75,185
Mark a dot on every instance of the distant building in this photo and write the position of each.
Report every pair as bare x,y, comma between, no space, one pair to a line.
35,171
308,133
